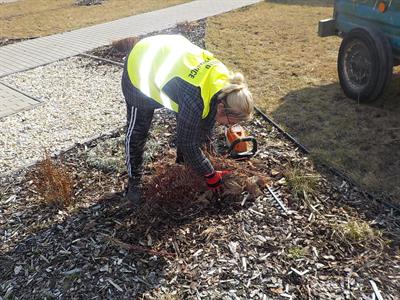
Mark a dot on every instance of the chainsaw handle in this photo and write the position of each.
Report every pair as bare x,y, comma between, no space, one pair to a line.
243,154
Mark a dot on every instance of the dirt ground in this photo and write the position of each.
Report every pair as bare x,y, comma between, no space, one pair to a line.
292,74
34,18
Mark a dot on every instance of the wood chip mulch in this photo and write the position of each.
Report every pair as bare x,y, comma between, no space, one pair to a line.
224,249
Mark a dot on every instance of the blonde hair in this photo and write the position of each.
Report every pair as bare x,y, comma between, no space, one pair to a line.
237,98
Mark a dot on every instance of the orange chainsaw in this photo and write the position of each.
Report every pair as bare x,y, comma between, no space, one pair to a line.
241,146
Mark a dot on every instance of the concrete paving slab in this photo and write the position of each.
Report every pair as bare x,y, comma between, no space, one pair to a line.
13,101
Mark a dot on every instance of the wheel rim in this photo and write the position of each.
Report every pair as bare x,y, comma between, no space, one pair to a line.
357,65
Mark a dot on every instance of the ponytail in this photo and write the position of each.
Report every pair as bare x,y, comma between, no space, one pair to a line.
237,98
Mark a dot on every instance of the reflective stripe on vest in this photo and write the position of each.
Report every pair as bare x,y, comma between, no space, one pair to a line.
155,60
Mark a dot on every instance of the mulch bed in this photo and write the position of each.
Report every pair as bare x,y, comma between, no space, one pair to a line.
193,31
227,248
333,243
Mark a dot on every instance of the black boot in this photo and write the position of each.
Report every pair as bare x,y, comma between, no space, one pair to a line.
179,157
133,193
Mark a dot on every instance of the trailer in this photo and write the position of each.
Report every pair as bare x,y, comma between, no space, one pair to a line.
370,47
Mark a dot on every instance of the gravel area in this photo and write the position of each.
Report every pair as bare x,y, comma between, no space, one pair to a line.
81,98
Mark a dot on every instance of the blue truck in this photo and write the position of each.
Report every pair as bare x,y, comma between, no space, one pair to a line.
370,47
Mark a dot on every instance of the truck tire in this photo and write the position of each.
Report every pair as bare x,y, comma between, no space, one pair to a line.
365,64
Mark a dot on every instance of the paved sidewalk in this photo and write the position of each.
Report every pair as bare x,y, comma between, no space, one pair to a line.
12,101
41,51
36,52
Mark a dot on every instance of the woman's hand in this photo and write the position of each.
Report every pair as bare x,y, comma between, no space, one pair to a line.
215,180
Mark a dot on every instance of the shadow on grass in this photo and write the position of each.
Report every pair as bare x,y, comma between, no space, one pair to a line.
78,258
360,140
319,3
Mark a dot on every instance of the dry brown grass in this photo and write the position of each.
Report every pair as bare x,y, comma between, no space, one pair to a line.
292,74
33,18
53,183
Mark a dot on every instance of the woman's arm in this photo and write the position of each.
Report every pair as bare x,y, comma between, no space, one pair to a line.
190,132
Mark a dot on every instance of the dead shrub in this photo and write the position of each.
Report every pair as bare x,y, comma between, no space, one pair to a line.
179,190
124,45
173,186
53,183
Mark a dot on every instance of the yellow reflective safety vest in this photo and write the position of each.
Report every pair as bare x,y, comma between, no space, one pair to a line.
155,60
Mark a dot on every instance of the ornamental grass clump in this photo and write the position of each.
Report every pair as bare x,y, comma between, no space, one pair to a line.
296,252
53,183
356,232
301,182
358,235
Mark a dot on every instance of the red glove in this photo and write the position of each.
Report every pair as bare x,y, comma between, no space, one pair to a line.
215,180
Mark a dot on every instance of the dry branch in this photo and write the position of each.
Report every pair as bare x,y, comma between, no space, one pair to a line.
138,249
